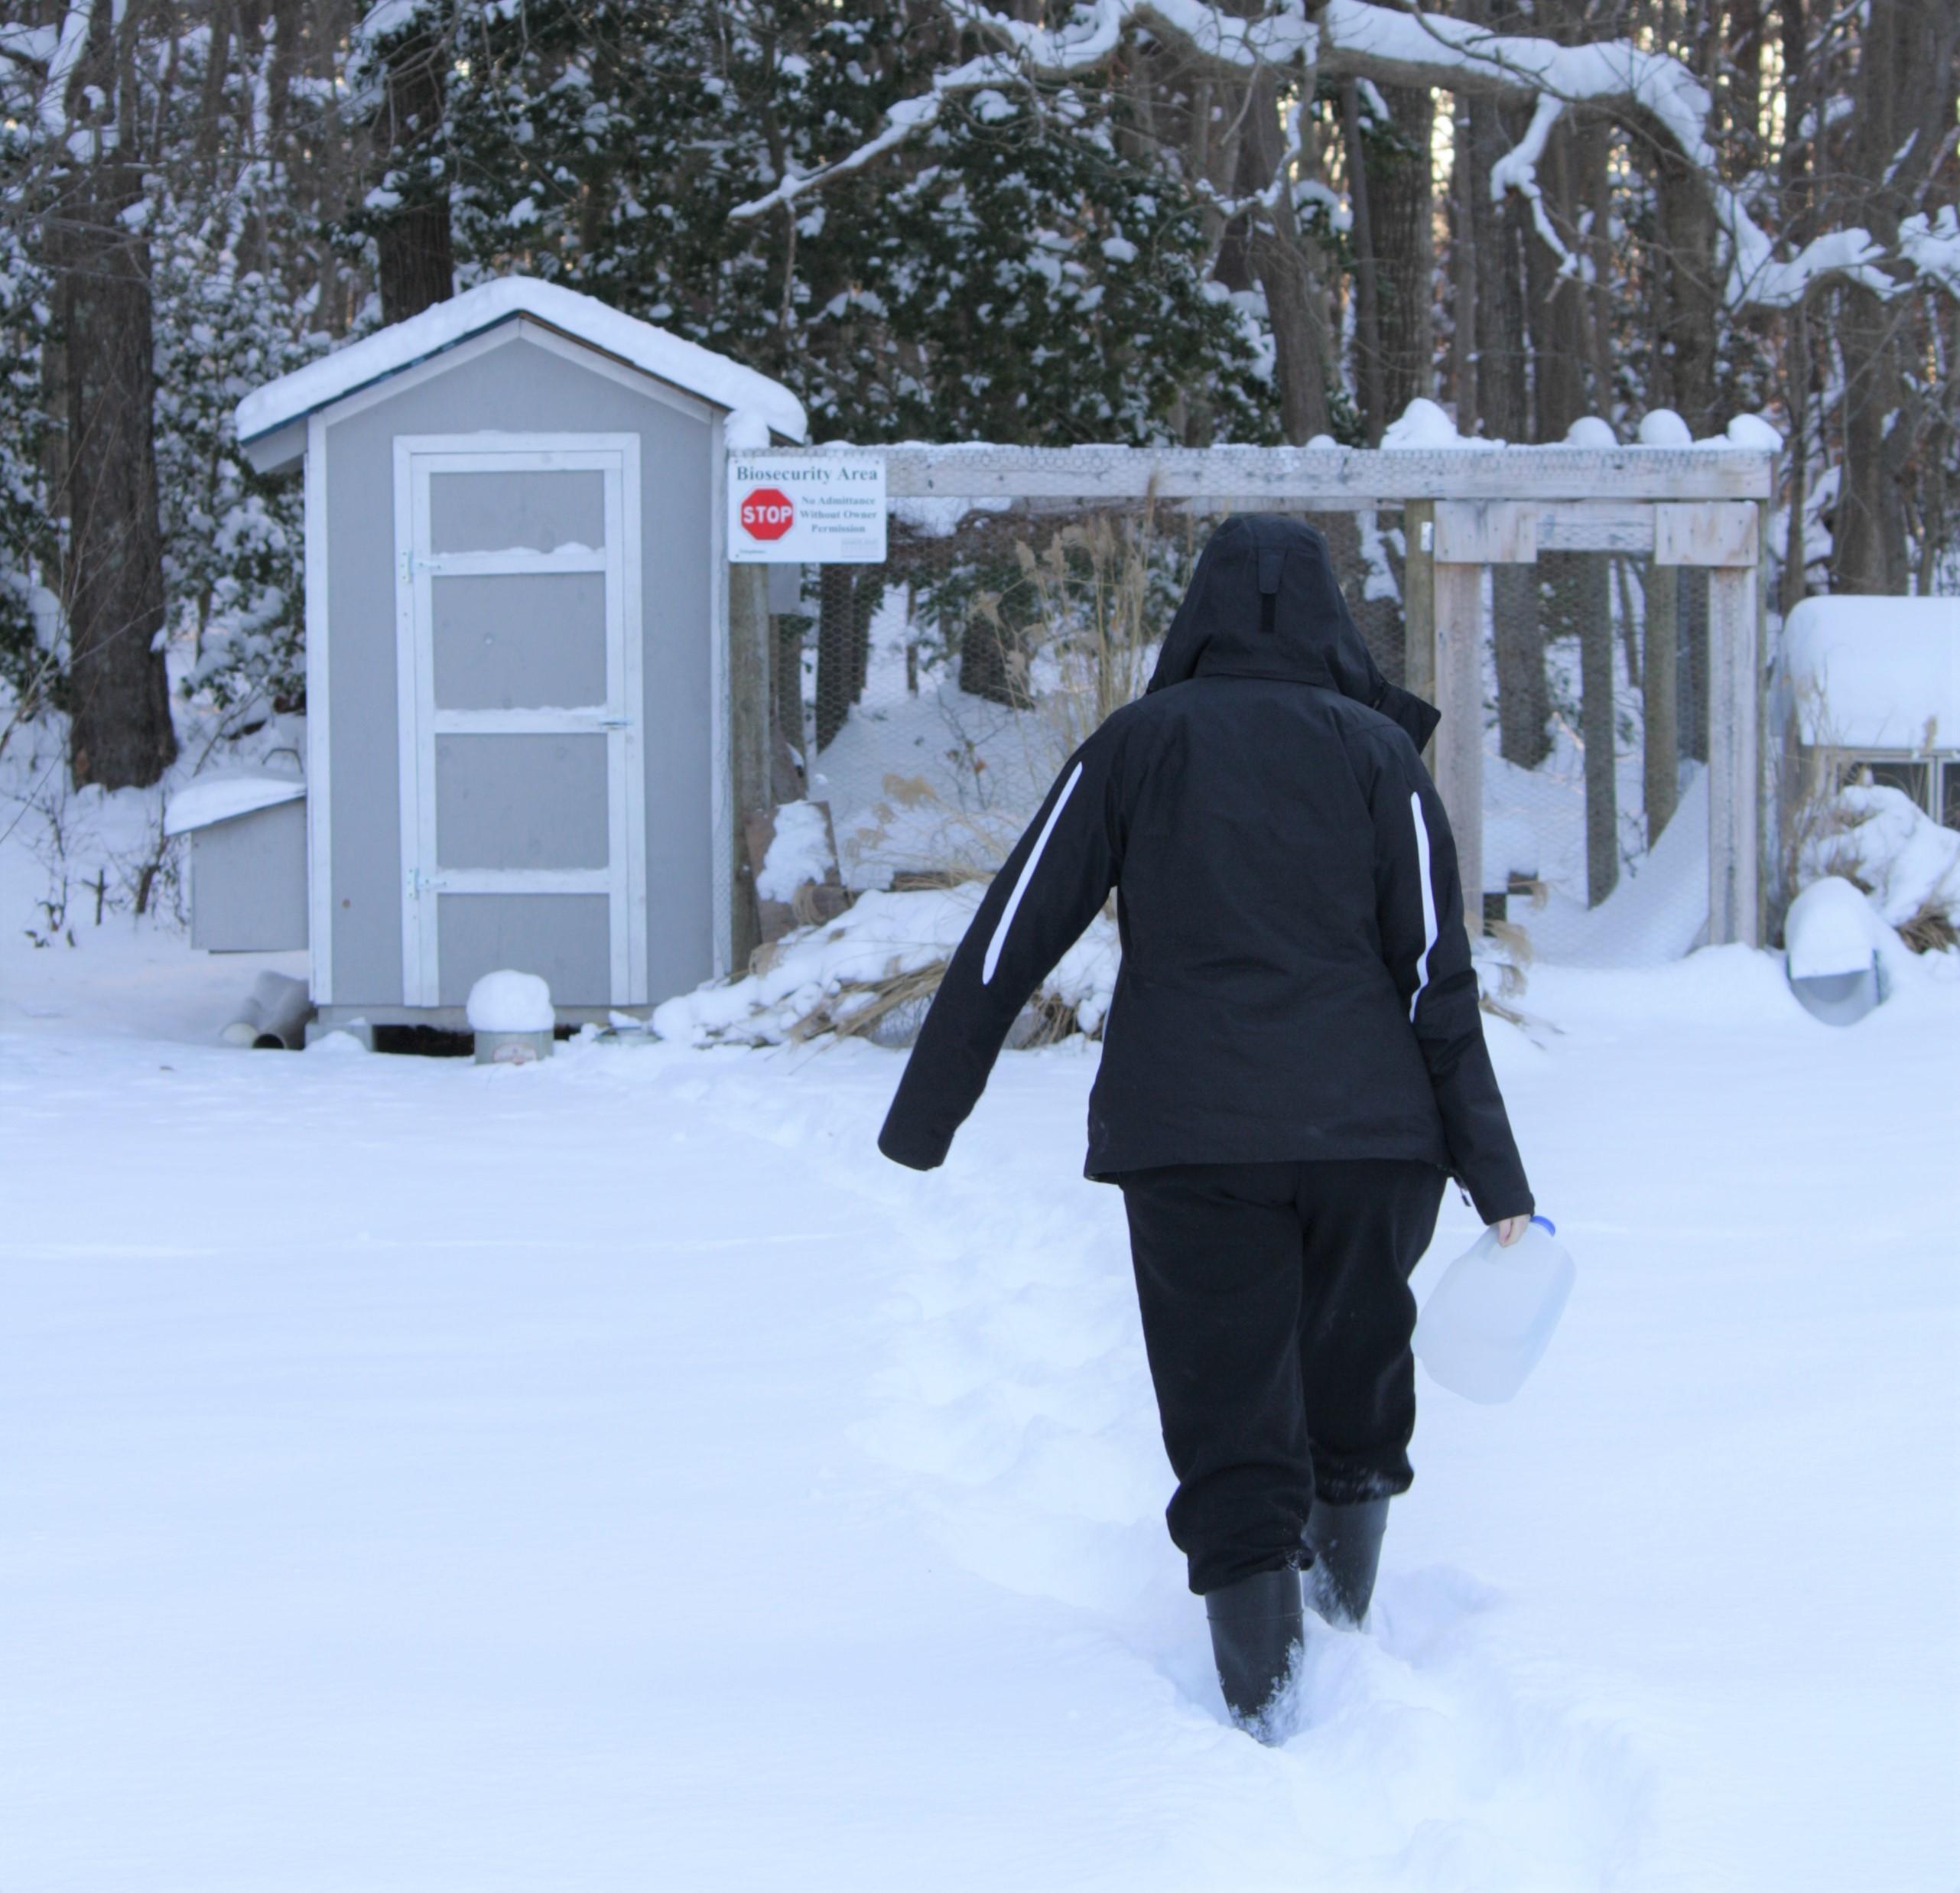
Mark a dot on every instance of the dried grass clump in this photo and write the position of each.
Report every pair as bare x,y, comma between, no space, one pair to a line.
859,1007
1512,962
838,1014
1931,928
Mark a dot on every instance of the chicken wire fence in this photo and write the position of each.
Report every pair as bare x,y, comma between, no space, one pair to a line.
940,693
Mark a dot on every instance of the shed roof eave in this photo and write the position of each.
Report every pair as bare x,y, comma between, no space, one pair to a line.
653,351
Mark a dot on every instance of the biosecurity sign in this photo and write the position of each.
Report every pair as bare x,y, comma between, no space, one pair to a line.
814,509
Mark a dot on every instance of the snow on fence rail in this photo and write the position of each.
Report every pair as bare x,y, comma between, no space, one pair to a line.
1589,620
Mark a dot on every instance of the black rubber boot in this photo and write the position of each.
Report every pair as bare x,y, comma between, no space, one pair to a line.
1346,1541
1257,1628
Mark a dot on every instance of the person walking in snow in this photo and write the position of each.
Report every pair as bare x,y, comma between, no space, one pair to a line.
1293,1063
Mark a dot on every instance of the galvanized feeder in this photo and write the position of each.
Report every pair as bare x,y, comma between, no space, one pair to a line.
512,1016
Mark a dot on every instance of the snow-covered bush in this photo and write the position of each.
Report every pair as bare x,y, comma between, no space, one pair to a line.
233,540
1881,841
889,951
26,531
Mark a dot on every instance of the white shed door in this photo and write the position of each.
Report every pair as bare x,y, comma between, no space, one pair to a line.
523,802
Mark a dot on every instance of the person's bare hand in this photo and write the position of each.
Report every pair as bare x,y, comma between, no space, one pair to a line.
1510,1228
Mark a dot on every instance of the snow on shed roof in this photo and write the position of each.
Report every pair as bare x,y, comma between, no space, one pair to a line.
213,798
1871,672
401,344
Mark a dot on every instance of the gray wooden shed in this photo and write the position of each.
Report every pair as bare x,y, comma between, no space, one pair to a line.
518,693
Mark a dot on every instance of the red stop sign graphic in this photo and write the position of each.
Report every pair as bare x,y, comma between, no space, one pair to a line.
767,512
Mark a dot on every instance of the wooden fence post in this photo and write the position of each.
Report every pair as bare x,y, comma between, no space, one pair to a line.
749,731
1418,599
1734,768
1726,537
1457,744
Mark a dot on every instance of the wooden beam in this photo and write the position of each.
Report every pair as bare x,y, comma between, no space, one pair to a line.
1458,743
1715,533
1487,532
1607,525
1293,478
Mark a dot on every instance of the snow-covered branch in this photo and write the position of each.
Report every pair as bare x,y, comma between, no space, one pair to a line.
1632,83
40,62
1050,55
1358,38
1267,199
61,66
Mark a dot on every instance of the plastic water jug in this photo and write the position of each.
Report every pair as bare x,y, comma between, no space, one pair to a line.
1488,1322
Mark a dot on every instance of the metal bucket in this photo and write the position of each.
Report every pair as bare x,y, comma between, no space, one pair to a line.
512,1048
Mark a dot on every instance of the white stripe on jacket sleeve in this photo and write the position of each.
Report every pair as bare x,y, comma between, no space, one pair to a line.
1028,867
1428,901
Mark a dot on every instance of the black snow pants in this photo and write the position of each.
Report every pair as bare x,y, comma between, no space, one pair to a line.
1277,1316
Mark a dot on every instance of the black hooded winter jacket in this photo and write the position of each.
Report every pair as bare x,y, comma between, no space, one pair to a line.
1296,979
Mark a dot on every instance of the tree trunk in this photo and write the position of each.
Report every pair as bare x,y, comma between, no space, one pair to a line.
1281,260
1463,278
1369,378
417,254
1402,214
1557,323
1596,726
1688,320
1904,103
120,734
1502,384
1524,703
1869,552
1503,393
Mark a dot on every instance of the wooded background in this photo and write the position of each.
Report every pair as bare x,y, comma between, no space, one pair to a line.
1131,223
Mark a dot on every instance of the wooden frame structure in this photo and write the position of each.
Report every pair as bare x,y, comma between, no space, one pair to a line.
1464,510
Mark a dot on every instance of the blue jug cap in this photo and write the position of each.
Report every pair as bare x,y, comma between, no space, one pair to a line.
1545,1222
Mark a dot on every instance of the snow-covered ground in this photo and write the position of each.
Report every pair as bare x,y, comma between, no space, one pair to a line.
611,1474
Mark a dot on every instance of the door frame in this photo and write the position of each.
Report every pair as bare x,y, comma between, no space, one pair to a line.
618,719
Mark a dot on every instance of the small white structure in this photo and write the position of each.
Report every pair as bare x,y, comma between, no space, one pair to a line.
248,862
519,694
1875,690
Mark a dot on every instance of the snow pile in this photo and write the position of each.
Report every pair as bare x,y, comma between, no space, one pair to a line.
829,975
1749,433
212,798
1752,432
1658,910
1881,840
510,1002
799,852
1423,427
1662,427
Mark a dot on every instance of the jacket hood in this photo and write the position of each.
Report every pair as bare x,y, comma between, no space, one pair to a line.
1264,602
